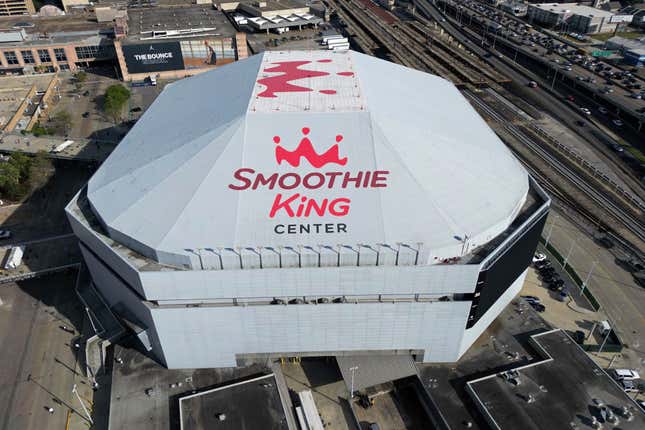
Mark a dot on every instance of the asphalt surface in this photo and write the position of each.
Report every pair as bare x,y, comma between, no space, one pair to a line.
621,299
39,361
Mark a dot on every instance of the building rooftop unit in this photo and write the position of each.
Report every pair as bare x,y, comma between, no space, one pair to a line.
177,22
573,8
566,386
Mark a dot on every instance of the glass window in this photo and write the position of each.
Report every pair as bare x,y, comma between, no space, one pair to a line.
96,51
59,53
28,57
11,57
44,56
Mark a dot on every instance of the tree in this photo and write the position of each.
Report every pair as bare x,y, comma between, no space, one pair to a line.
115,98
61,122
81,76
14,176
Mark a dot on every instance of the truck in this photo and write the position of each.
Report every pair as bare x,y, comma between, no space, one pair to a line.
332,42
326,39
340,47
61,147
14,258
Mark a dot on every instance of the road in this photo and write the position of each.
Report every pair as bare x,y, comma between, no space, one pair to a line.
620,297
38,358
546,101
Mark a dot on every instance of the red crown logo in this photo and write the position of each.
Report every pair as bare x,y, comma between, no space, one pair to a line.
291,71
306,150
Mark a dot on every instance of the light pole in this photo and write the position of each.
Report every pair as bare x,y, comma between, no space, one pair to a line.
566,259
75,391
351,391
584,284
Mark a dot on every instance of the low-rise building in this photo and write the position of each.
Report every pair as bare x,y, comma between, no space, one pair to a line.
633,50
175,41
16,7
573,17
48,44
271,15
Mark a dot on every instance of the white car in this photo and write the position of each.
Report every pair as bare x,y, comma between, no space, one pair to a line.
628,374
585,111
538,257
5,234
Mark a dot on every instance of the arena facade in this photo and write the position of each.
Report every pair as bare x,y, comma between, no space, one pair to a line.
308,203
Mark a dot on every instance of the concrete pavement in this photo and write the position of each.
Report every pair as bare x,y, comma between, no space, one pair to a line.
621,299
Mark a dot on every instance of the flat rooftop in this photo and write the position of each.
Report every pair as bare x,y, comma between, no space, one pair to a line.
250,404
565,387
573,8
50,30
145,396
178,22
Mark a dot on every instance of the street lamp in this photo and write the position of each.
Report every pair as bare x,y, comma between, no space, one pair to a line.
75,391
584,284
351,391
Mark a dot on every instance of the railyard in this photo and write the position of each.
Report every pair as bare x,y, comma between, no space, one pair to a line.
428,44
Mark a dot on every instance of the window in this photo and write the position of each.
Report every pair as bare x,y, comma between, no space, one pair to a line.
96,51
44,56
11,57
59,53
28,57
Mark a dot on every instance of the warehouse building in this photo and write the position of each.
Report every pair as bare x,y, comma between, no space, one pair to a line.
573,17
308,203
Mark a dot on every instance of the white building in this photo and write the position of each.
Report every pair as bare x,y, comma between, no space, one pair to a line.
308,203
572,17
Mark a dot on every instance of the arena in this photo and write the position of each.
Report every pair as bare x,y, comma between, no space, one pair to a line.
308,203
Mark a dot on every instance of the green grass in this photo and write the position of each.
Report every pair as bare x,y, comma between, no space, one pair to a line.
625,34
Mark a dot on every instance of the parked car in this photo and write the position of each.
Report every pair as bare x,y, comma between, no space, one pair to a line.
618,123
543,264
539,307
538,257
620,374
5,234
579,337
531,299
85,114
629,386
556,282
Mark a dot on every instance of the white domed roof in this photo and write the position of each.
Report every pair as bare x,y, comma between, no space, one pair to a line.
308,148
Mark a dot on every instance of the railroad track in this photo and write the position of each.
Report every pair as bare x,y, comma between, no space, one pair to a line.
631,223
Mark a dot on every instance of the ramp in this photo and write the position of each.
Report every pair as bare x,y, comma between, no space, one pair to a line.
371,370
